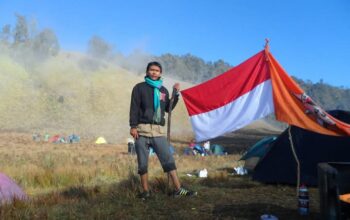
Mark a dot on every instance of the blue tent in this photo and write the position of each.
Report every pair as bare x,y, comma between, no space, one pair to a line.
217,149
260,148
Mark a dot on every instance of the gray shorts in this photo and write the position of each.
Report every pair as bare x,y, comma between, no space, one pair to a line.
161,148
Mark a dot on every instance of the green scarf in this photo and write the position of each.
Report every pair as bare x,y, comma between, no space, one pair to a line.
156,84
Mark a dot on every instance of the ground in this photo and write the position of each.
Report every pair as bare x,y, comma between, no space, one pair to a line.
88,181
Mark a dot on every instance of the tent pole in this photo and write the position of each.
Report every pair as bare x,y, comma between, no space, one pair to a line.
296,159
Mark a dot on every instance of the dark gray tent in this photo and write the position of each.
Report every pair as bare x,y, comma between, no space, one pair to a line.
279,165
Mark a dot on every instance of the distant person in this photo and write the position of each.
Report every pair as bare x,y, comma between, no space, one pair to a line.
192,143
190,149
206,147
198,149
149,102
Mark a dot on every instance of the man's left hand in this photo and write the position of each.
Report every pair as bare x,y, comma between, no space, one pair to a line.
177,87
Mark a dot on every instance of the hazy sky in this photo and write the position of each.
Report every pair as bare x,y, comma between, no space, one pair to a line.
310,38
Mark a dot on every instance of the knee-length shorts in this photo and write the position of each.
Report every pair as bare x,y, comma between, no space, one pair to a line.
161,148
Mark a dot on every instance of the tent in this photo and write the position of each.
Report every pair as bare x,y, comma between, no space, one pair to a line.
9,190
279,165
217,149
101,140
73,138
54,139
255,153
260,148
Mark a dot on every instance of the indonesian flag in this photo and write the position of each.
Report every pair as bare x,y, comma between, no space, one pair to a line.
252,90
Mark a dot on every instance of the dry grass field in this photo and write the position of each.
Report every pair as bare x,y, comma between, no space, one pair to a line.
89,181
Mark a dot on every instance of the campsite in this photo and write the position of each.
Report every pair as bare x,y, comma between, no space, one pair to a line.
73,181
89,181
174,110
59,173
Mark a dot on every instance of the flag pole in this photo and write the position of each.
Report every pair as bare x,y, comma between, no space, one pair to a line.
267,45
267,50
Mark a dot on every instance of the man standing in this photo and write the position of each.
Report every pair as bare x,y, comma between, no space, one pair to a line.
149,102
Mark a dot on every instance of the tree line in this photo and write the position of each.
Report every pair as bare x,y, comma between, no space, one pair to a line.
26,43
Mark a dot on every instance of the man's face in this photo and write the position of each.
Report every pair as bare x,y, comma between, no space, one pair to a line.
154,72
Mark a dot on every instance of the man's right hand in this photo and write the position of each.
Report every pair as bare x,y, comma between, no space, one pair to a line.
134,133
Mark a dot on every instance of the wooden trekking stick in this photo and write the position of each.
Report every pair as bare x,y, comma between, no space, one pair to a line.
169,124
169,113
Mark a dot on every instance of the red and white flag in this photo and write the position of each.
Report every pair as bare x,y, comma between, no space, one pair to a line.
252,90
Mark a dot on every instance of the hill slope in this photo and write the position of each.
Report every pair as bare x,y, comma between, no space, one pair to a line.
62,96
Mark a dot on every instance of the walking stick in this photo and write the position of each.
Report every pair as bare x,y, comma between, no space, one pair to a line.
169,113
171,102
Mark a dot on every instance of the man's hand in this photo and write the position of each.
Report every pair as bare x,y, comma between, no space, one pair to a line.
134,133
177,87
